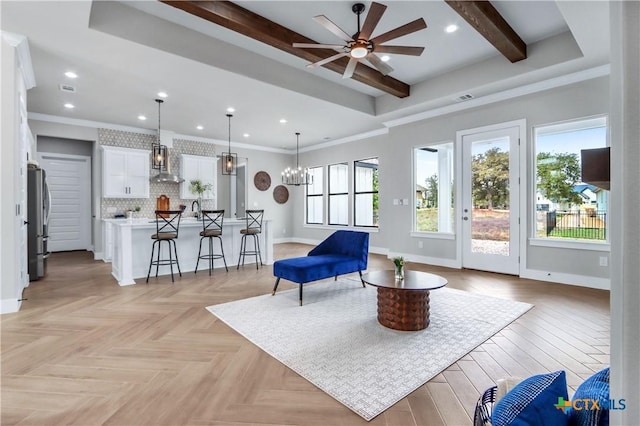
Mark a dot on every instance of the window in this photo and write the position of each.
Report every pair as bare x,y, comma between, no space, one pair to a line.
365,184
315,197
339,194
434,188
566,207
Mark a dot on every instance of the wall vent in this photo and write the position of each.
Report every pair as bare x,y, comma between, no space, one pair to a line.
67,88
463,98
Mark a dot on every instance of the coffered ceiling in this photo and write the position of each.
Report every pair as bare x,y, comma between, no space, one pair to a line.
126,52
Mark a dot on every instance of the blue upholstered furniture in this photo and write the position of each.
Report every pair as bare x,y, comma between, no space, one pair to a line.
343,252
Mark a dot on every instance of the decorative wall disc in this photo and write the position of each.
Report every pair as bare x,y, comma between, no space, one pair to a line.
280,194
262,181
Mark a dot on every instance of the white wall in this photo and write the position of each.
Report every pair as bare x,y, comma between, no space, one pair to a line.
395,155
625,230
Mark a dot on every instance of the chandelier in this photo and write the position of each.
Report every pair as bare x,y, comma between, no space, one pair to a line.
297,176
229,159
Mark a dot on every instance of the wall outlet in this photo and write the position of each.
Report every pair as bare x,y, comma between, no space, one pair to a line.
604,261
111,209
420,244
284,230
405,201
396,201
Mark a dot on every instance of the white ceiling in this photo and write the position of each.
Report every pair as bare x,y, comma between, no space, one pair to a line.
125,52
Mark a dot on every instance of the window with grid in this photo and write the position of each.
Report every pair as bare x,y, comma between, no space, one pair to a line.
339,194
365,192
315,197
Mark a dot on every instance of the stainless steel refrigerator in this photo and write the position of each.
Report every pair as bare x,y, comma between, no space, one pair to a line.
38,208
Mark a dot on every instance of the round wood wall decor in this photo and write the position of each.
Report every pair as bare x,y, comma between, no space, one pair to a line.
280,194
262,181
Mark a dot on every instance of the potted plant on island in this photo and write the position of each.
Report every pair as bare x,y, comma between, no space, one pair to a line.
198,188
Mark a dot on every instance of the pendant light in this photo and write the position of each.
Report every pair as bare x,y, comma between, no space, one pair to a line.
297,176
159,151
229,159
161,160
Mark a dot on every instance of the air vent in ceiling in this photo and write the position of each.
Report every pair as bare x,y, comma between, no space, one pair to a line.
463,98
67,88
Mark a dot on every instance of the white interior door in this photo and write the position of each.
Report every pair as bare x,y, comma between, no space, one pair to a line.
69,180
490,199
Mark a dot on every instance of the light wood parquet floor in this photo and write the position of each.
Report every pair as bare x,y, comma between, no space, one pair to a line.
85,351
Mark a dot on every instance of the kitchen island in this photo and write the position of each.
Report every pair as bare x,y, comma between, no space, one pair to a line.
128,247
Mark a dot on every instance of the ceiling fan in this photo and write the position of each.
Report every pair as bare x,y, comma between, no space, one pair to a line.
361,45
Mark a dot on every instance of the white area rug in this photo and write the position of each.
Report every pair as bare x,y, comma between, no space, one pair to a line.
335,341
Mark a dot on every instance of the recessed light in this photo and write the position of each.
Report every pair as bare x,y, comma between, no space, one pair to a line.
162,94
385,58
199,127
231,109
451,28
246,135
326,138
71,74
282,120
142,117
70,106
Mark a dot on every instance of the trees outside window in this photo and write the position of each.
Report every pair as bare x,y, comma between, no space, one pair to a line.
434,195
566,207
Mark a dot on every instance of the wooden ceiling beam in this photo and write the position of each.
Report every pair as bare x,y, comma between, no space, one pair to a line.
482,16
243,21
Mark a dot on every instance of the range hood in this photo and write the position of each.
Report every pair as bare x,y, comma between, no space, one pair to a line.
165,175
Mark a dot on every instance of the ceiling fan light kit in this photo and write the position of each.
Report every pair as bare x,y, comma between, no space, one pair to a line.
361,46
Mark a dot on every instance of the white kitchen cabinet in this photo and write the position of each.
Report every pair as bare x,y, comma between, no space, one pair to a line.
125,172
197,167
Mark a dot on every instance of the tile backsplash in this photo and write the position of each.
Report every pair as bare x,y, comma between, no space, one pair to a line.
147,206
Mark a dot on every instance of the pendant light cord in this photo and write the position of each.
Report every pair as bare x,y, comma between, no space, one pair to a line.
297,150
229,115
159,101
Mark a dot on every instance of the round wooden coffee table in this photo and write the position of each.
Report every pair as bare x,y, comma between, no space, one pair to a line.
404,304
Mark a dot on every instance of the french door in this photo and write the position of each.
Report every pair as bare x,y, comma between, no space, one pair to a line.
490,210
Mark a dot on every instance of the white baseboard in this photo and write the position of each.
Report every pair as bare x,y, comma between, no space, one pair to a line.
283,240
97,255
9,306
571,279
427,260
372,249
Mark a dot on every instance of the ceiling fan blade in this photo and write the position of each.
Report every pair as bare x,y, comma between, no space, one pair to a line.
378,64
318,46
400,50
373,17
327,60
328,24
405,29
351,67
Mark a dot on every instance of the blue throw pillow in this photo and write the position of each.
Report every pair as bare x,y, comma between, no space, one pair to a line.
584,412
533,402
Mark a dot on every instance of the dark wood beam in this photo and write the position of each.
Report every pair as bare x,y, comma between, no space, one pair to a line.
243,21
487,21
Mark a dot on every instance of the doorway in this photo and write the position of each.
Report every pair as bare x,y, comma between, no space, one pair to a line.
69,180
490,206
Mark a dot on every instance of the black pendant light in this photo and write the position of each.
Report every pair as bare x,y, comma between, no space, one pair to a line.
229,159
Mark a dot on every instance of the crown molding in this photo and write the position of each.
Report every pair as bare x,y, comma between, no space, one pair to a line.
111,126
347,139
516,92
21,44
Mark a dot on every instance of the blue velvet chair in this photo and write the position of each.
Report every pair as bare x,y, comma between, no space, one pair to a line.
343,252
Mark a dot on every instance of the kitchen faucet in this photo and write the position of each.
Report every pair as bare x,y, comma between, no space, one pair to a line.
197,211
